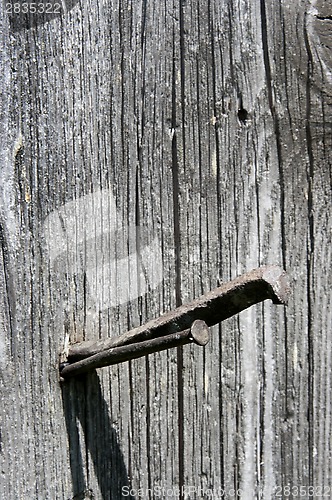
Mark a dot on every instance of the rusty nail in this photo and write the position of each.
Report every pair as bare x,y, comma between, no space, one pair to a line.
267,282
198,334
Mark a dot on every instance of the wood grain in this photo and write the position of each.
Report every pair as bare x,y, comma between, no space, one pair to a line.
194,139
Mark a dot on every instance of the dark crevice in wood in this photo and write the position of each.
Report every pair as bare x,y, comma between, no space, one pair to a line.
200,159
236,217
123,87
231,42
177,236
176,194
86,420
148,424
138,250
10,291
85,292
239,411
258,208
267,65
132,419
324,18
310,259
287,75
262,403
143,28
180,419
216,129
222,410
269,84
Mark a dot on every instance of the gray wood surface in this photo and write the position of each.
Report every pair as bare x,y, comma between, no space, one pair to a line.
150,151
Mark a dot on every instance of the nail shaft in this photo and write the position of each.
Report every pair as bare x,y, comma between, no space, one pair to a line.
268,282
198,334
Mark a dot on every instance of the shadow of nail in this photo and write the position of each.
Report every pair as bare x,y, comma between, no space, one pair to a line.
94,439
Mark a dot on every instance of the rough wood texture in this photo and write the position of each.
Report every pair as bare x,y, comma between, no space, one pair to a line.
150,151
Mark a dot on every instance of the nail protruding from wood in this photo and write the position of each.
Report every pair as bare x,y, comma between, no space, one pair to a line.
198,334
267,282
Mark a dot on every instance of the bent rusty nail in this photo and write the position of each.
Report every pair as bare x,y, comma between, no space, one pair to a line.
198,334
267,282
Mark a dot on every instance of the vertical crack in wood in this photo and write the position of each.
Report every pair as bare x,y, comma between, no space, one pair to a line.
216,112
269,85
10,291
175,181
275,118
177,236
310,255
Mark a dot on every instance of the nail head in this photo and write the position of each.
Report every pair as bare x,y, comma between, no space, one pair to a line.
200,332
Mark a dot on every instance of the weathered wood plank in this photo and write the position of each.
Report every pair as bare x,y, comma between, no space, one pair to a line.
149,152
